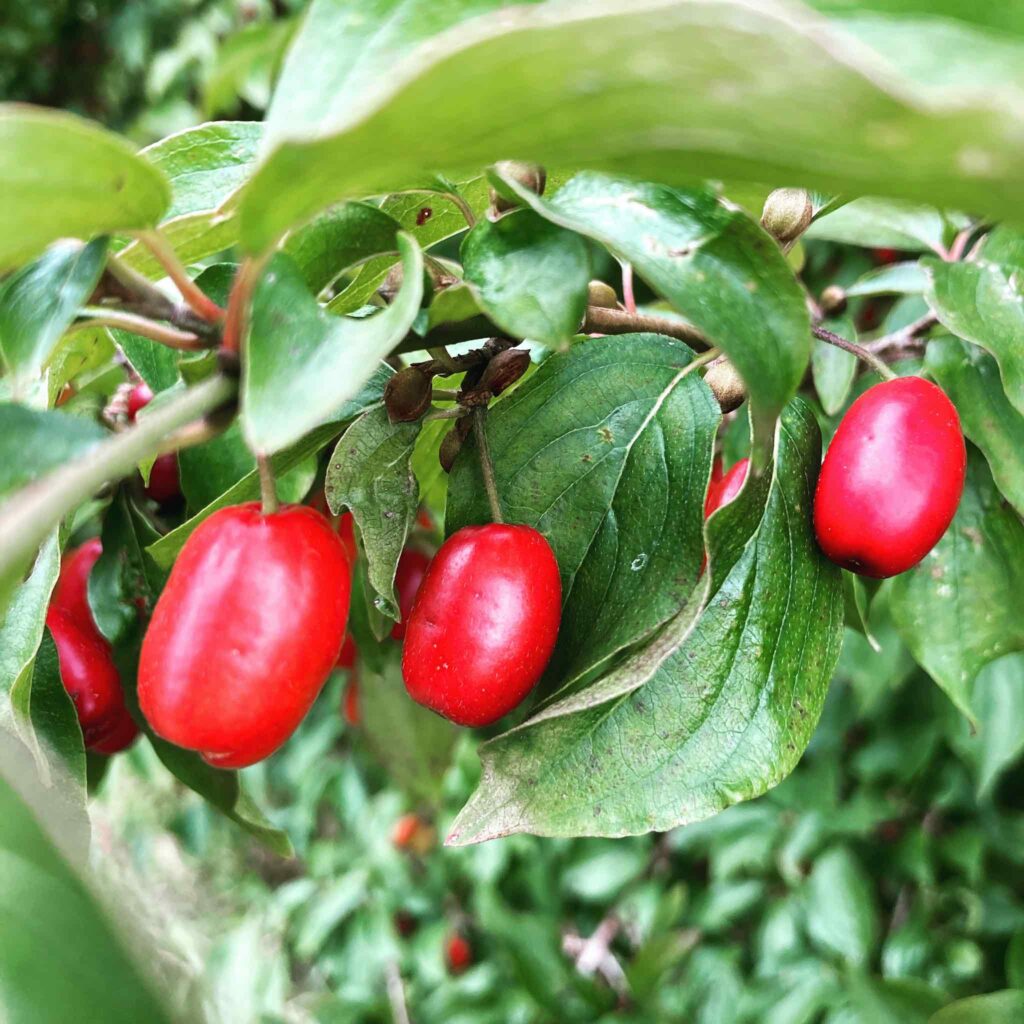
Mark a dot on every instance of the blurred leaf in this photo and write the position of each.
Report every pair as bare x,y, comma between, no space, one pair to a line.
882,223
712,712
414,744
892,279
999,701
80,352
607,451
452,305
840,907
328,910
982,301
63,177
245,65
900,1001
289,389
834,368
601,876
1005,1007
370,473
38,303
956,611
1015,960
531,275
971,379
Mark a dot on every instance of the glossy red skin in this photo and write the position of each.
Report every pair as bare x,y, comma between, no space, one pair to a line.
891,479
347,657
164,483
71,592
725,488
350,704
412,567
138,398
484,623
89,675
122,735
246,631
458,953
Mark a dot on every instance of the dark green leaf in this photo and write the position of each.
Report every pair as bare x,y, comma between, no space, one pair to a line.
607,451
982,300
370,473
38,303
32,443
958,609
80,352
971,379
531,275
302,364
1006,1007
712,712
834,368
713,265
841,916
63,177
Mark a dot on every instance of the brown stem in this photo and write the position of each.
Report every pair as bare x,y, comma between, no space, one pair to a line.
133,323
268,488
486,465
200,302
238,305
859,351
599,320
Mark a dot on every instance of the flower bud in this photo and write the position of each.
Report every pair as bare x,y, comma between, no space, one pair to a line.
601,294
452,443
407,395
787,213
726,384
504,370
833,300
530,176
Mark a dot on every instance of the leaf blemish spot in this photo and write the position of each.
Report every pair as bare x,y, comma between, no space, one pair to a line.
606,435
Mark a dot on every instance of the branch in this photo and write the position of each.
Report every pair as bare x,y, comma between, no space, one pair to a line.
906,341
29,515
200,302
859,351
133,323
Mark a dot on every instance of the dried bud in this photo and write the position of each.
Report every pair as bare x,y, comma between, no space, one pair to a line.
787,213
432,280
726,384
603,295
452,443
530,176
833,300
504,370
407,395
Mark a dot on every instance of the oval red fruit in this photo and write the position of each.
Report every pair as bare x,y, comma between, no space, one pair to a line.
891,479
89,675
164,484
121,736
245,633
72,589
458,953
350,704
412,567
347,655
726,487
484,623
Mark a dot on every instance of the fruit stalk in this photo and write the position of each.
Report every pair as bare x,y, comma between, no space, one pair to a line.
486,465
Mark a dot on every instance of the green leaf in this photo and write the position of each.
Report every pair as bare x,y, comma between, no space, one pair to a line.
712,712
834,368
38,303
1015,960
753,127
883,223
339,239
893,279
890,1001
713,265
1006,1007
531,275
64,177
971,379
245,65
982,301
371,473
840,906
65,956
957,610
452,305
999,701
606,450
33,442
302,364
80,352
412,743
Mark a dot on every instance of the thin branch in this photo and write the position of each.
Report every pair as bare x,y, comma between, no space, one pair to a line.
859,351
200,302
133,323
29,515
486,465
268,486
238,304
396,992
444,357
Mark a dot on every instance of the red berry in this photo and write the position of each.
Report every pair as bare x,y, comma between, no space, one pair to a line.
405,830
246,631
71,592
892,478
89,675
138,398
484,623
350,704
884,256
412,567
164,484
122,735
347,657
458,953
725,488
347,533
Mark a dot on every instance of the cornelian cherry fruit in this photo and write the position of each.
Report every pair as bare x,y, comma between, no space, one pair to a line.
723,489
350,709
164,482
245,633
72,589
412,567
891,479
458,953
121,736
484,623
347,655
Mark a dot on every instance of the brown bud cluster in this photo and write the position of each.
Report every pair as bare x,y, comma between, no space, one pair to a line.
530,176
504,370
726,384
603,295
453,441
407,395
